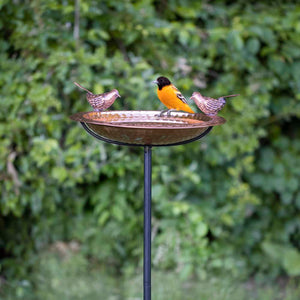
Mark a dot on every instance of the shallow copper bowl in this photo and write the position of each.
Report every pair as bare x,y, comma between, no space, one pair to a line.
146,127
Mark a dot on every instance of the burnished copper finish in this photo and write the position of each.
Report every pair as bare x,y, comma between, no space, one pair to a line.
146,128
208,105
100,102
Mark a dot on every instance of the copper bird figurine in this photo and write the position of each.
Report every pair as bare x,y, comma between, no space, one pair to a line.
208,105
100,102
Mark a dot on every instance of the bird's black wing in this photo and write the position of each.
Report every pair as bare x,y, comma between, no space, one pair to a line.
178,94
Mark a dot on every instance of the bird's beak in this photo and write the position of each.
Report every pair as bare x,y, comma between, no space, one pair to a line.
155,81
117,93
193,96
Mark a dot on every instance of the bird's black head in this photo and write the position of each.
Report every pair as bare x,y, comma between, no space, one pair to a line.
162,81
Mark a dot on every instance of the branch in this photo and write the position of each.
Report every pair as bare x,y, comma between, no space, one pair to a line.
76,21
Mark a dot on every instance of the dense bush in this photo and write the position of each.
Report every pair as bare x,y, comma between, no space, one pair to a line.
228,203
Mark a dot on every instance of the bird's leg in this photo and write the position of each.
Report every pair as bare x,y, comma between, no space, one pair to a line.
162,112
169,112
98,109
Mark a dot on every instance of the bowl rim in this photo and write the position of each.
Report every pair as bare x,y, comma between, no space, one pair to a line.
213,120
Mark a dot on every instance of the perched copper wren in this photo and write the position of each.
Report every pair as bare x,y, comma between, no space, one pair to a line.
100,102
208,105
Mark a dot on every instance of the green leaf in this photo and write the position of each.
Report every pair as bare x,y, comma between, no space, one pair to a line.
59,173
253,45
291,262
201,229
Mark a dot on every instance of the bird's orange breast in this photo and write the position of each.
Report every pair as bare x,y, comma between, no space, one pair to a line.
167,95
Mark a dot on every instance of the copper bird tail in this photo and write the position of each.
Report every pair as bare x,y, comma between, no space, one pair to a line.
228,96
80,86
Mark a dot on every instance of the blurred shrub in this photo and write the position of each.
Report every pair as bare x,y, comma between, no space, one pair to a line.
229,203
70,276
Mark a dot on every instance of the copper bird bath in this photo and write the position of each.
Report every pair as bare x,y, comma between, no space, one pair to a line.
146,129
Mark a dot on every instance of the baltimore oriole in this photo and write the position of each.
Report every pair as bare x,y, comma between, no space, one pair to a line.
170,96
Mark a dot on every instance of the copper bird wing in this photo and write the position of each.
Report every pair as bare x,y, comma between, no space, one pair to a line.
178,94
97,101
214,104
104,95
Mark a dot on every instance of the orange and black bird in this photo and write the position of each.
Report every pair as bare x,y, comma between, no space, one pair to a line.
170,96
100,102
208,105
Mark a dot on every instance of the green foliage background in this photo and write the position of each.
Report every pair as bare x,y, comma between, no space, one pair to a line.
230,203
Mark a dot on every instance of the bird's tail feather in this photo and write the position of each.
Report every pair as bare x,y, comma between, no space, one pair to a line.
188,109
80,86
228,96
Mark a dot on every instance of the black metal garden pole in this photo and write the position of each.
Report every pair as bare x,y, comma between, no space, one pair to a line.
147,223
